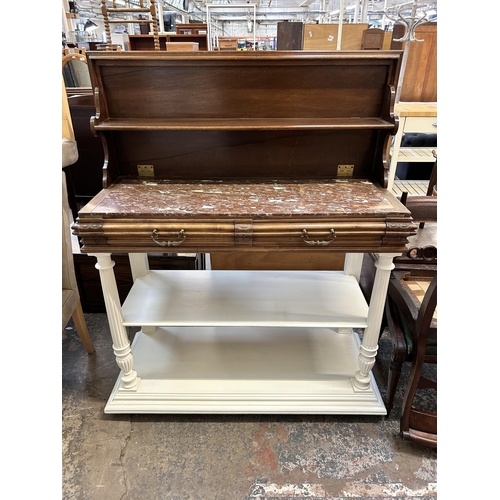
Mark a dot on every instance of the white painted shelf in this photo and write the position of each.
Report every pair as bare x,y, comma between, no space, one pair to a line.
246,342
246,298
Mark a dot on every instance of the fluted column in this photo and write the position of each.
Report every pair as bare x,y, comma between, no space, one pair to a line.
369,345
121,343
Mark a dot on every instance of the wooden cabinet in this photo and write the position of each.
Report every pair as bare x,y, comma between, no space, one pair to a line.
227,43
146,42
207,152
420,78
191,29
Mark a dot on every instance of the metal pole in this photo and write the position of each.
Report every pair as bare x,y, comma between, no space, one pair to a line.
341,20
404,59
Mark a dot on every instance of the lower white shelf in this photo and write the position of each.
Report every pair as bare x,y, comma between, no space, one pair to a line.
246,370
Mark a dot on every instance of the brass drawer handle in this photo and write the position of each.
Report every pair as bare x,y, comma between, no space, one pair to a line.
181,236
306,239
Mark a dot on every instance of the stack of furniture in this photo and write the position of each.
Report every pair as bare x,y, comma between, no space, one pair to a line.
196,39
204,162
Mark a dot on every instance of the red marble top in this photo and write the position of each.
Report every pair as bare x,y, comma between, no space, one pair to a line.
214,199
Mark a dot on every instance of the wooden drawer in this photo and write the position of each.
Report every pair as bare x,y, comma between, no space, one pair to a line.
421,124
308,234
228,44
129,235
336,234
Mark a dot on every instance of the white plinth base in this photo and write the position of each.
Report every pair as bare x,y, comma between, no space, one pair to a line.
246,370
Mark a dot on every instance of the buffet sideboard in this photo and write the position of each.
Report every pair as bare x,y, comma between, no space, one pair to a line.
245,152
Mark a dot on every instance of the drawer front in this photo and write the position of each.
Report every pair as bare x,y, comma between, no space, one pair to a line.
173,235
163,235
422,124
228,44
177,235
333,234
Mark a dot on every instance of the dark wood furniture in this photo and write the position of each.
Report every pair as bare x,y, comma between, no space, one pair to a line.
191,29
290,35
372,39
245,152
84,177
412,319
146,42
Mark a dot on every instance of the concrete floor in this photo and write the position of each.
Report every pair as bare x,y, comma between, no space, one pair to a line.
227,457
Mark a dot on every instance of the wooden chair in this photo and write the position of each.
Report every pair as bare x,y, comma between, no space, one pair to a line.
412,320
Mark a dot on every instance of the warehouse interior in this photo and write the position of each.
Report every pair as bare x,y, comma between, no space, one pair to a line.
81,452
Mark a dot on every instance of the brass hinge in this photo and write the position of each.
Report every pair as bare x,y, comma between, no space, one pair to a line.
345,170
145,170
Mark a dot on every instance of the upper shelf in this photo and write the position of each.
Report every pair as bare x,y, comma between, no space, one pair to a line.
151,124
269,92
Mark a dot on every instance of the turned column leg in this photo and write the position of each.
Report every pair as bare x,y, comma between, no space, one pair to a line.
121,343
369,345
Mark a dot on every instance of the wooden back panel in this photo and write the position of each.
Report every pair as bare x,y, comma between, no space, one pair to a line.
219,115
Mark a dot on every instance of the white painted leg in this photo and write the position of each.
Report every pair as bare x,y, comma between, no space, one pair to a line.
121,343
353,264
369,345
139,265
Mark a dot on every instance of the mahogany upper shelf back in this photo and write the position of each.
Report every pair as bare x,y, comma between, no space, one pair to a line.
215,115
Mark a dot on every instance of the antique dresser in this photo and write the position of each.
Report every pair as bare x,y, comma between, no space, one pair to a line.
245,152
